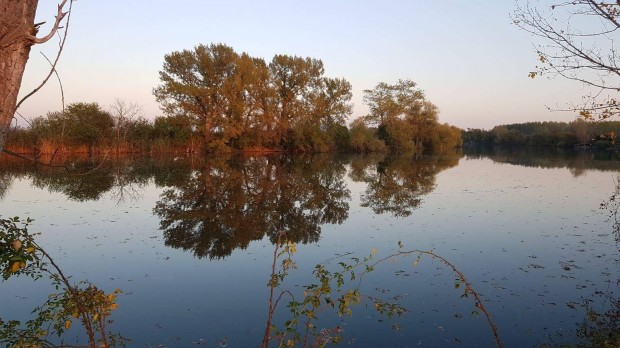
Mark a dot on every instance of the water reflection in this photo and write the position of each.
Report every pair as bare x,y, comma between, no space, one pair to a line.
612,207
576,161
396,184
209,208
227,203
212,207
85,179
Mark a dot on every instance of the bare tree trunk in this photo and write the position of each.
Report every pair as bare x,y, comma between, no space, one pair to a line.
16,32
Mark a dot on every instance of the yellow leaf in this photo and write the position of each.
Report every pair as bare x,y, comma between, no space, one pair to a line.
15,266
17,244
373,251
67,324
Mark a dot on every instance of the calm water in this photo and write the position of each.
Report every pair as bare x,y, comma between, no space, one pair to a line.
191,243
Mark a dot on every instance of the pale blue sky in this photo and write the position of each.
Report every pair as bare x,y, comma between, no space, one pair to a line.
467,56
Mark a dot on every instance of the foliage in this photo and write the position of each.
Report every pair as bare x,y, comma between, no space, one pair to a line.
238,101
83,302
223,101
364,139
329,291
405,120
558,134
387,102
80,123
445,138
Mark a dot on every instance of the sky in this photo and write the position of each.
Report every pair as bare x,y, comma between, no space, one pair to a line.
467,56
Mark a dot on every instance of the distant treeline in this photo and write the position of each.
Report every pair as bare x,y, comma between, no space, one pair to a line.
217,100
555,134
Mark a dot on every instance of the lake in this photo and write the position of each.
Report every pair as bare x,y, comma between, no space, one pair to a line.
191,244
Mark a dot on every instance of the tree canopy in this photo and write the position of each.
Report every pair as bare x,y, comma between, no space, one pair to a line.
405,120
239,101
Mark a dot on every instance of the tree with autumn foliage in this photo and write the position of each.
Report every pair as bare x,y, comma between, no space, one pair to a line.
404,119
240,102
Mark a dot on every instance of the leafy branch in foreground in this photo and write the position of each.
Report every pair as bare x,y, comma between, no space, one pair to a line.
84,302
329,291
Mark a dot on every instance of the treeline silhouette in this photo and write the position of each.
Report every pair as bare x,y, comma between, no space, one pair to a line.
554,134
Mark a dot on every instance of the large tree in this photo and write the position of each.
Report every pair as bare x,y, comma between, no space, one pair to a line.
241,102
296,82
579,41
388,102
18,33
192,82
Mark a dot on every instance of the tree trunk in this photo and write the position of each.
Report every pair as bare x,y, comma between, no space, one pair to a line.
16,30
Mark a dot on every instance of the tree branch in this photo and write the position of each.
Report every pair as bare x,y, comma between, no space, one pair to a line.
62,45
59,17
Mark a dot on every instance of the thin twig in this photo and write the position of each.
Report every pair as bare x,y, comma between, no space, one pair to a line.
35,160
468,287
267,335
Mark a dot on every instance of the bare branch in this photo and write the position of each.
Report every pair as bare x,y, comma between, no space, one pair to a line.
579,45
59,17
62,45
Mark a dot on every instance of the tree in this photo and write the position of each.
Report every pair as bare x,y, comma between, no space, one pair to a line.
423,118
332,104
124,115
192,82
405,120
388,102
80,124
241,102
579,44
18,33
226,93
250,116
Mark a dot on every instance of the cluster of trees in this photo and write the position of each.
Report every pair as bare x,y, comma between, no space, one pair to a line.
402,120
218,100
85,127
235,101
557,134
240,102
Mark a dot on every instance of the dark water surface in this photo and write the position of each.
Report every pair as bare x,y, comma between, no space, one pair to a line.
191,243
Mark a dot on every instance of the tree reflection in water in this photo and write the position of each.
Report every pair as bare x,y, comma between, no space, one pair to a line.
211,207
228,202
396,185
